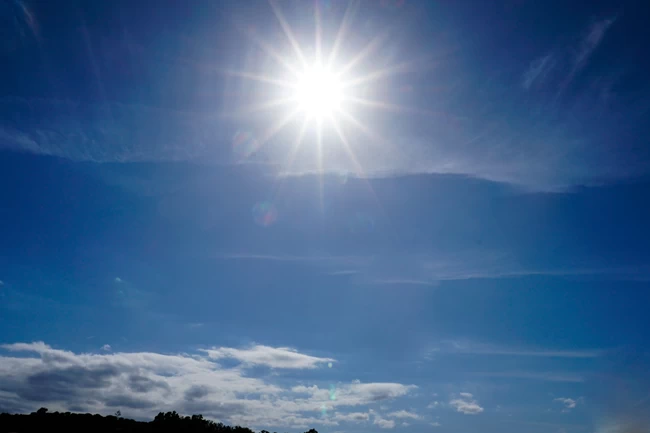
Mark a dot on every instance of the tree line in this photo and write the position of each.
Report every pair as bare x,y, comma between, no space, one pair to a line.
43,421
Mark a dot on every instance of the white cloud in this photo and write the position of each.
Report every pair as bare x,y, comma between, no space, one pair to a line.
274,357
435,424
402,414
433,405
466,404
352,417
141,384
384,423
355,393
568,403
195,325
405,424
380,421
106,348
118,280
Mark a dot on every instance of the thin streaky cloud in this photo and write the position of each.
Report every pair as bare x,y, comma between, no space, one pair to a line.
538,70
460,347
344,272
540,354
404,282
535,376
293,258
592,38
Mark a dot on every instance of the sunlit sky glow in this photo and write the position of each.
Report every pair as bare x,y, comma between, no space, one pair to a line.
354,216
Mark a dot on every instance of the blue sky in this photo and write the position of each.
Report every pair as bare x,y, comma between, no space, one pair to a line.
465,250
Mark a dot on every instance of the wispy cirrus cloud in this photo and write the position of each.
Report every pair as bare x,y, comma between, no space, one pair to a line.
545,376
140,384
568,61
538,70
531,145
592,38
307,258
460,347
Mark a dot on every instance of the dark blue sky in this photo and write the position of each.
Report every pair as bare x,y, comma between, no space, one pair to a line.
464,248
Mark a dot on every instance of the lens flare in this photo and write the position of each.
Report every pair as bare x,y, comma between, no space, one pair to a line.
244,144
332,392
265,214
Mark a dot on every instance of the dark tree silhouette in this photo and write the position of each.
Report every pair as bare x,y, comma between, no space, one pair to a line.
44,421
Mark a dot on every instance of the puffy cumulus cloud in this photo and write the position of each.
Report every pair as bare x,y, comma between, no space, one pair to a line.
380,421
404,414
142,384
465,403
384,423
106,348
274,357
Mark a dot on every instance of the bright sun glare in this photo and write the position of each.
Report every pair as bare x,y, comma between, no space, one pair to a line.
319,92
314,92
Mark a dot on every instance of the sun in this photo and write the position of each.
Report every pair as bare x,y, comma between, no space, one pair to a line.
321,89
319,92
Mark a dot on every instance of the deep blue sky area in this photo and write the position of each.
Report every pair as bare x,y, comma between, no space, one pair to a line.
347,215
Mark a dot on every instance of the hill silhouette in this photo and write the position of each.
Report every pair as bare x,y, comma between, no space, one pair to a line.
43,420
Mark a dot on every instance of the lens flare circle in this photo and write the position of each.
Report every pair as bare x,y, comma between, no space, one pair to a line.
265,214
319,91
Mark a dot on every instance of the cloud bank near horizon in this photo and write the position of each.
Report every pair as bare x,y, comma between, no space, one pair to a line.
141,384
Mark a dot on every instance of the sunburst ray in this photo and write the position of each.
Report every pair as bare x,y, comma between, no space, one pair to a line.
258,77
387,106
288,33
343,28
